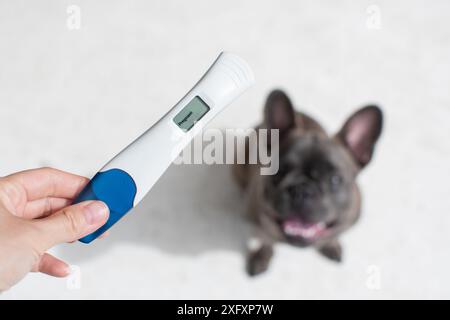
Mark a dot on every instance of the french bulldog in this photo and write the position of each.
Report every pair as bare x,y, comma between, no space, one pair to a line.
314,197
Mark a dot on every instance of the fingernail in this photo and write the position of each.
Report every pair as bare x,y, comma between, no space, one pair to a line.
95,212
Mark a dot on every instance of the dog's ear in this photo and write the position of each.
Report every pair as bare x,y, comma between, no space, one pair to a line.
279,112
360,133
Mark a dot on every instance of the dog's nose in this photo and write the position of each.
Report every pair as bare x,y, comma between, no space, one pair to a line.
303,193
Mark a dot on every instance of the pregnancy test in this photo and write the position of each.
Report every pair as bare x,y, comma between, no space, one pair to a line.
126,179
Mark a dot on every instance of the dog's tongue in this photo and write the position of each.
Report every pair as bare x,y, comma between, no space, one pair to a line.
296,228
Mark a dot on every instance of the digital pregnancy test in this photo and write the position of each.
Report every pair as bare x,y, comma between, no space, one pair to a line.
126,179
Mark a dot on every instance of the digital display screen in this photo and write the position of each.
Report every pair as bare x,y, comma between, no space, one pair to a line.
191,113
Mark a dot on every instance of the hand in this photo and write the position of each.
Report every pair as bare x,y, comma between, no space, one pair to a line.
35,215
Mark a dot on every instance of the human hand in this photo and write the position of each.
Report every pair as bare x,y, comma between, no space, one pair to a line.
35,215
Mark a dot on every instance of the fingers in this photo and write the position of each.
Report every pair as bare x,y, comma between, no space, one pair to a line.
52,266
71,223
43,207
48,182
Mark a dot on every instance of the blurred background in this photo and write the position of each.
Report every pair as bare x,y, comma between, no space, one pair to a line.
80,79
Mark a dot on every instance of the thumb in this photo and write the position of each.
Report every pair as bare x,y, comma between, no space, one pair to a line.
72,223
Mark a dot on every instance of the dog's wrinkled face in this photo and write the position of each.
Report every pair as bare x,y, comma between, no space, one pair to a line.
313,195
313,190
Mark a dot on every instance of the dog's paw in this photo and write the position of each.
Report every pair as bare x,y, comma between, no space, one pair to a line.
258,260
332,250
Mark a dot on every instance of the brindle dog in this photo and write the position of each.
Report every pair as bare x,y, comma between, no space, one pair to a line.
313,197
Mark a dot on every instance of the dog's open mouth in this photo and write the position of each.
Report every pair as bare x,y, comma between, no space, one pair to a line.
295,227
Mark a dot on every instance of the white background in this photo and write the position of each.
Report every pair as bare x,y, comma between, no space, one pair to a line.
73,98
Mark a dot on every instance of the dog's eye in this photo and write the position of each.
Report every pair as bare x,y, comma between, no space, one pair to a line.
335,182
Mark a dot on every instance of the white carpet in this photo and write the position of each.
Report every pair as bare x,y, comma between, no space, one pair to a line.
73,98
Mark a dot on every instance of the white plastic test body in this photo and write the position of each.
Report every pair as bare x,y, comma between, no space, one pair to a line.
127,178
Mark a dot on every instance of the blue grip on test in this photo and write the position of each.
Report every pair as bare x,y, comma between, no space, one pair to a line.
116,189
